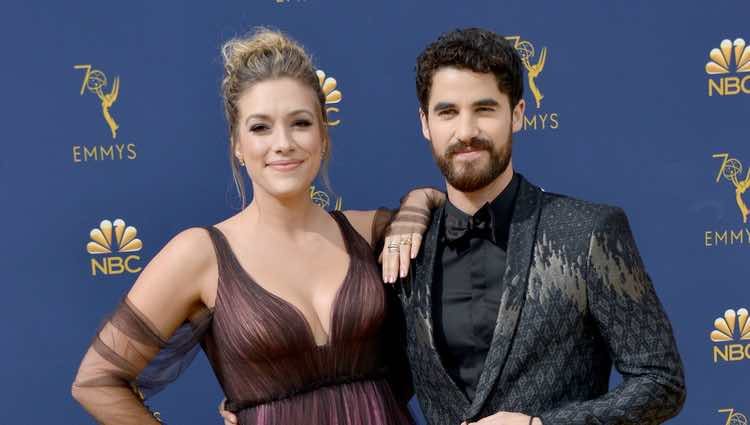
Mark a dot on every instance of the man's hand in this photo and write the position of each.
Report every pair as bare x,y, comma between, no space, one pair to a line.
229,417
506,418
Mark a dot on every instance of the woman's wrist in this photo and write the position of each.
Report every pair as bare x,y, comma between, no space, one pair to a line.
436,197
430,197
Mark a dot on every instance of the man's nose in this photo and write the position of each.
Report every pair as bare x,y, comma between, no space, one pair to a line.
467,129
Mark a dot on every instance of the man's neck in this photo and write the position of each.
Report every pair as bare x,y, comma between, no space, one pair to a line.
471,202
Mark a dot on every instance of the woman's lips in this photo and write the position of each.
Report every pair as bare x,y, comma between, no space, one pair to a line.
285,165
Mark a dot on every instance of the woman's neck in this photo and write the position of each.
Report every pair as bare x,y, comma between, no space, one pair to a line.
289,216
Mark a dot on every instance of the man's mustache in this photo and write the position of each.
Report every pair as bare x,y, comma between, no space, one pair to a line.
475,144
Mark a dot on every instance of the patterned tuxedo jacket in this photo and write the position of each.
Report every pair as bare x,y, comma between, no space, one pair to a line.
576,301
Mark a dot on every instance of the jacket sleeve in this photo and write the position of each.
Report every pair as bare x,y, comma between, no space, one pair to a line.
633,324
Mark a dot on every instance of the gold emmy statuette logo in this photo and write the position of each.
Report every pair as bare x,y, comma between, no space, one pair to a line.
322,199
114,238
526,51
733,417
333,96
534,65
731,170
733,326
721,63
95,81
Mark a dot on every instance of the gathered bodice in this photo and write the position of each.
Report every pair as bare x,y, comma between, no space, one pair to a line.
264,353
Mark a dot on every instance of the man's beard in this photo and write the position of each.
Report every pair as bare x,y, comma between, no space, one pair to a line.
470,178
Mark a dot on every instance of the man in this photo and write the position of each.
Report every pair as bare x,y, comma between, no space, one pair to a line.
521,301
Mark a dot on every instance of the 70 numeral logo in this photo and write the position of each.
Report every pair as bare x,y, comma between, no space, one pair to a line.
734,418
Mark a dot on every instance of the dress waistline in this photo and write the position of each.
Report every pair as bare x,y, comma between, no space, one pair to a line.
236,406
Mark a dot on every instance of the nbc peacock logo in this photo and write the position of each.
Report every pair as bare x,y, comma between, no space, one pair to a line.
730,57
114,245
730,330
332,95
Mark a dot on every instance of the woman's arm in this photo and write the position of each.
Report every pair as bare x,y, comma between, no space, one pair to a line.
397,234
172,288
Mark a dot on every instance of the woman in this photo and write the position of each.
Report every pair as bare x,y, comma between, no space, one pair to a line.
285,298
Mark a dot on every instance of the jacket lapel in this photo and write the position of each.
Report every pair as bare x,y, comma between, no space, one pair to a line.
419,298
515,279
425,271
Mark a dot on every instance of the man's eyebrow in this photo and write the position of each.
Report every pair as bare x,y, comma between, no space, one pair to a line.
486,102
443,105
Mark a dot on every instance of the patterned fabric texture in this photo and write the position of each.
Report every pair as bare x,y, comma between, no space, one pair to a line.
576,302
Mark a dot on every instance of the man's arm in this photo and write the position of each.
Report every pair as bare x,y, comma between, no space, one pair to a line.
637,332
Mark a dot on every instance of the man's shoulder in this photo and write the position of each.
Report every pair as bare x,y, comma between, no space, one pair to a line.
565,208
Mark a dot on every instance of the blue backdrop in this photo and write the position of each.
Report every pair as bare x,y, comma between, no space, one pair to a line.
631,115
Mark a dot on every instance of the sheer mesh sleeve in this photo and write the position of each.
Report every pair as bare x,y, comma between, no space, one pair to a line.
413,216
129,361
380,223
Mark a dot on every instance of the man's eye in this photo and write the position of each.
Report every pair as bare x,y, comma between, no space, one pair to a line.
485,109
447,112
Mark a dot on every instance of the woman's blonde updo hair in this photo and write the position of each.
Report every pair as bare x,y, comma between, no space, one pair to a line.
264,54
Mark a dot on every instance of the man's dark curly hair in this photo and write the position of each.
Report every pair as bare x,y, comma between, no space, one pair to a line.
475,49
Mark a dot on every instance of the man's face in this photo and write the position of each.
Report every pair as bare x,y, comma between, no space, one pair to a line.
469,123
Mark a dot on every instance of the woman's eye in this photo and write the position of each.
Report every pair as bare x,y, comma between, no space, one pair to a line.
302,123
256,128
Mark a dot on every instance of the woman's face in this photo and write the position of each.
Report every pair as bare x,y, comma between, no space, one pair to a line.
279,136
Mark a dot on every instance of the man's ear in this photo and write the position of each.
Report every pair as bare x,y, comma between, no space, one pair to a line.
425,127
518,115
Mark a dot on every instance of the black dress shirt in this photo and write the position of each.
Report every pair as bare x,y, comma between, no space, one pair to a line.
468,285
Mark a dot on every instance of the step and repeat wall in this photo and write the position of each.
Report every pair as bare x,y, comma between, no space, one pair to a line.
112,119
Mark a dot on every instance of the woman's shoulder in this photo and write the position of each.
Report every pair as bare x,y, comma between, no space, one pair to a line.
361,221
193,243
180,274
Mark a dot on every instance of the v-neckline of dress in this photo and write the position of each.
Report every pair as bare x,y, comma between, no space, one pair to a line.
294,308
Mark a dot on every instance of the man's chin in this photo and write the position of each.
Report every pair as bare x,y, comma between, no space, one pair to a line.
473,179
461,166
469,182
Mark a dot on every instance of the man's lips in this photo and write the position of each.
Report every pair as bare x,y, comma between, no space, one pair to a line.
468,153
285,164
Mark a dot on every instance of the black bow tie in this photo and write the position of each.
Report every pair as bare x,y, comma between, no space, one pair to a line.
480,225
